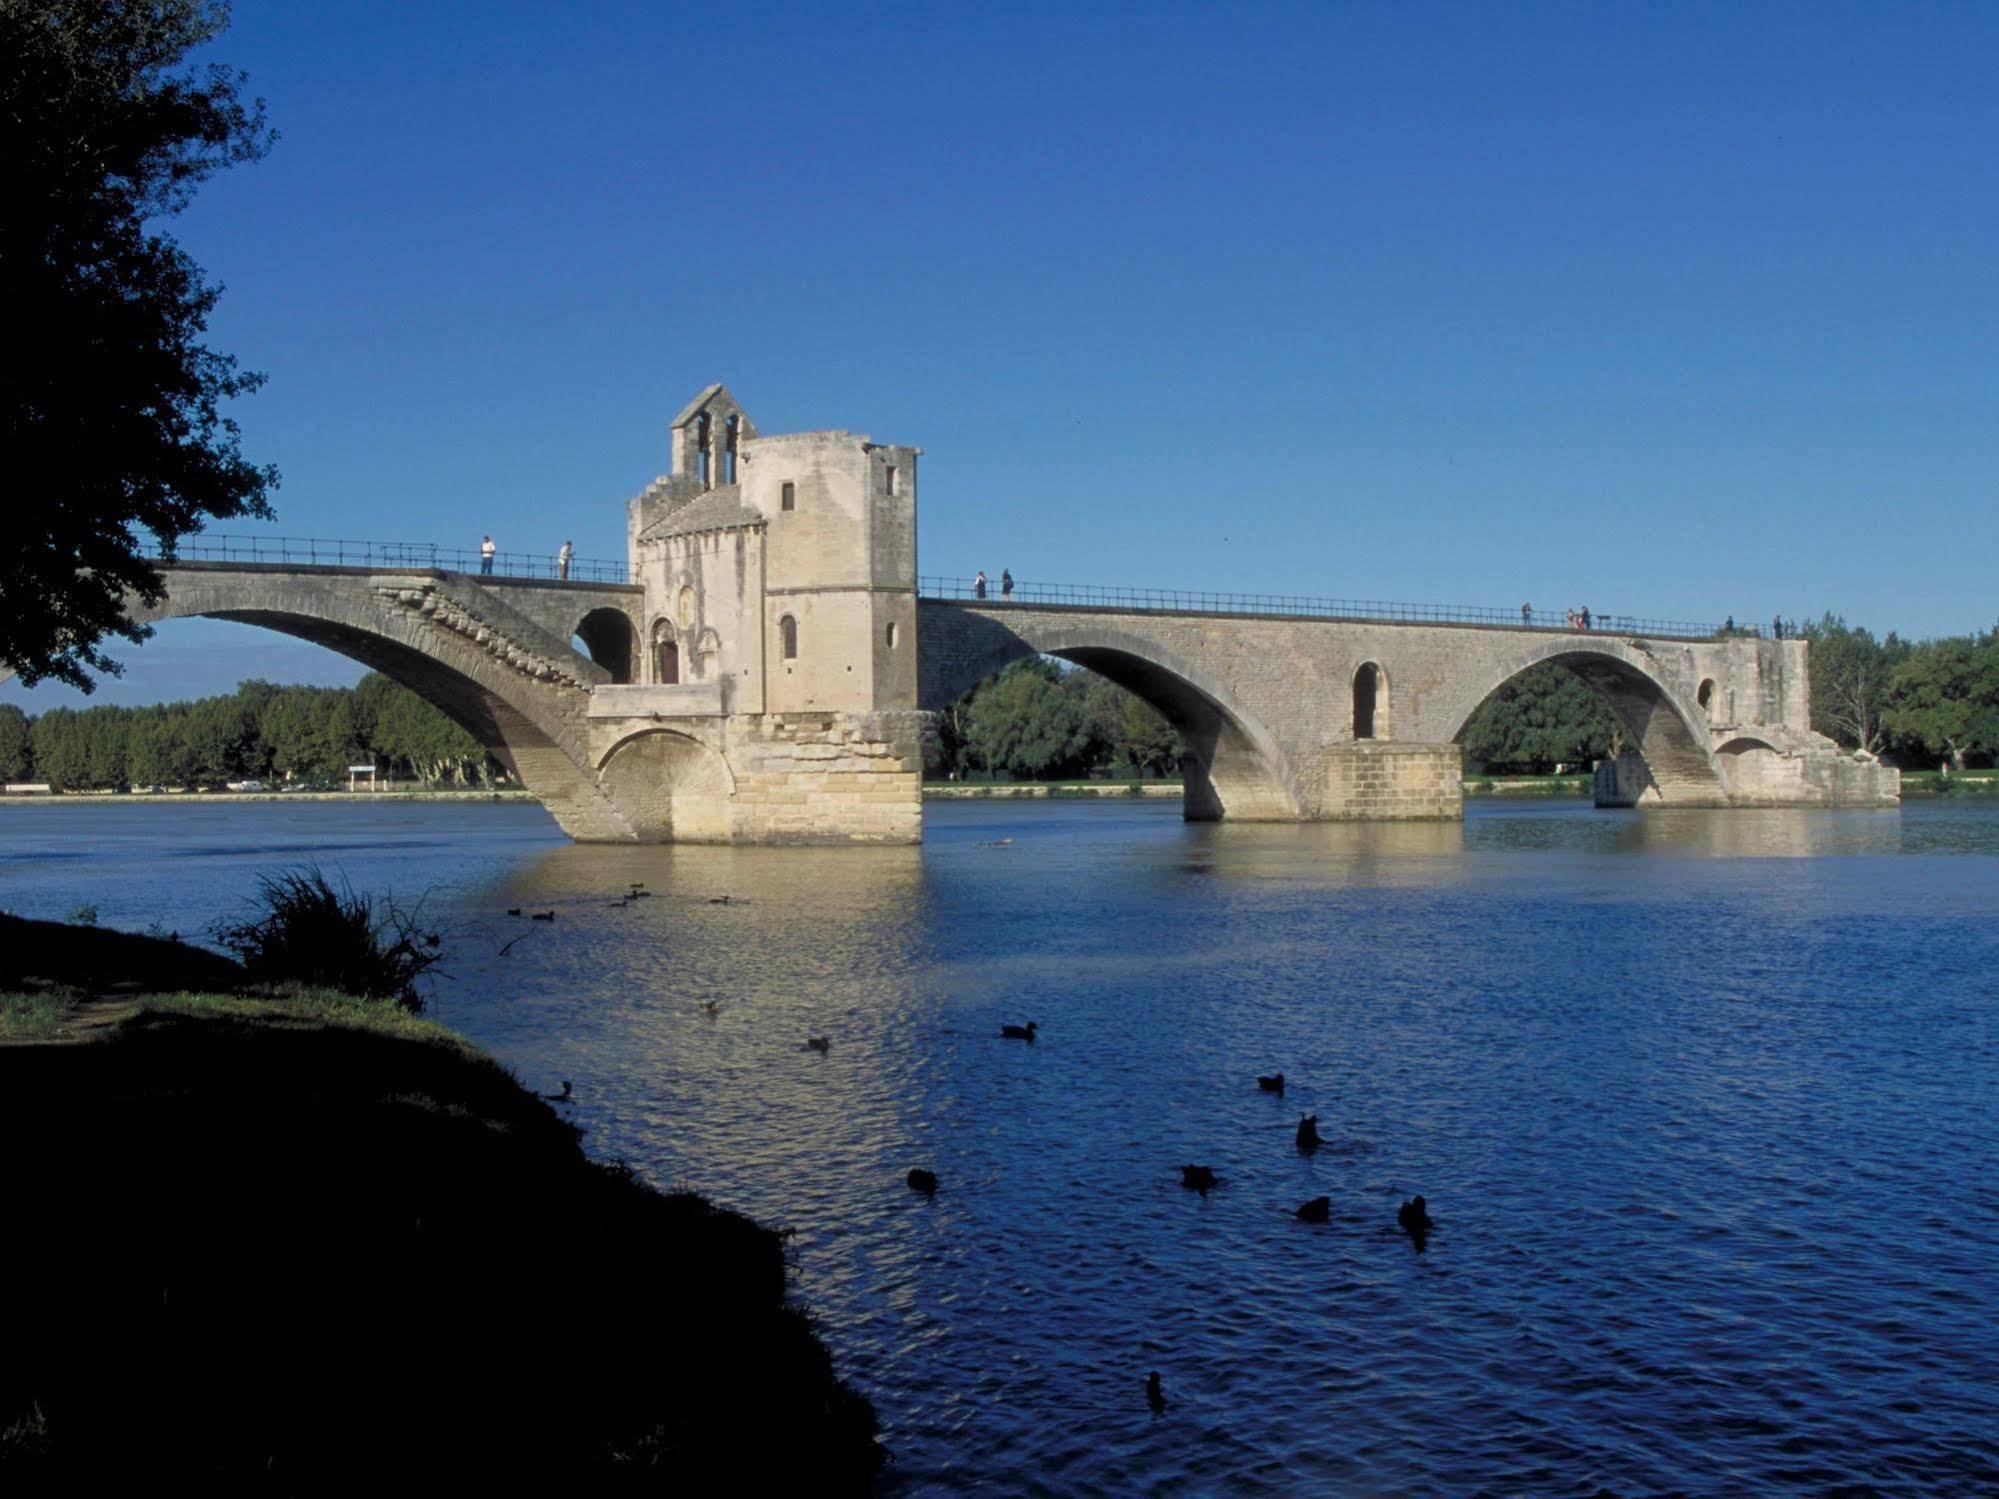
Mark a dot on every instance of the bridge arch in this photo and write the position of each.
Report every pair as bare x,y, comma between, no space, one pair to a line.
1234,766
525,706
679,788
1666,727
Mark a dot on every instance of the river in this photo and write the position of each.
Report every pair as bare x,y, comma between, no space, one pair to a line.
1703,1105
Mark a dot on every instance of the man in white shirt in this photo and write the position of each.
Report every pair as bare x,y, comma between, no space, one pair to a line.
485,555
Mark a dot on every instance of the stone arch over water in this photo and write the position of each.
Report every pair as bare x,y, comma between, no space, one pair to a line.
1666,731
1234,768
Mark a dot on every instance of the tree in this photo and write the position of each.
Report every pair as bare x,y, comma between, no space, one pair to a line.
16,744
110,404
1024,724
1543,717
1849,674
1945,697
61,756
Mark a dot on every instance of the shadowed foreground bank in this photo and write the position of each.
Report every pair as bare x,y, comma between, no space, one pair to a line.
296,1256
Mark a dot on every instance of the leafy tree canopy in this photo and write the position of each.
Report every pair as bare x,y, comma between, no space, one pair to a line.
110,403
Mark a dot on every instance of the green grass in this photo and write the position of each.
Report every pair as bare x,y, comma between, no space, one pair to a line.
305,1009
45,1015
1575,785
35,1017
1958,783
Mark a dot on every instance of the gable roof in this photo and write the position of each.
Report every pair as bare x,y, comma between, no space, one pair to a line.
717,510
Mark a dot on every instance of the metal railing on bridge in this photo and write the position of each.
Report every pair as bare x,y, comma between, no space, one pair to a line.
1180,601
313,551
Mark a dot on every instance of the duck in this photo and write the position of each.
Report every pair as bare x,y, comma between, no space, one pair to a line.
1272,1084
513,910
1414,1219
1318,1210
1154,1395
711,1008
1308,1132
542,916
820,1044
1200,1178
564,1096
922,1181
1020,1032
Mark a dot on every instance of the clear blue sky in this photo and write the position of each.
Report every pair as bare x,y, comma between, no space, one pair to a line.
1677,310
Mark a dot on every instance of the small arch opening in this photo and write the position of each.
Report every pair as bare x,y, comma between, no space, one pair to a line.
787,629
788,496
732,435
703,445
606,636
1705,697
891,635
1366,696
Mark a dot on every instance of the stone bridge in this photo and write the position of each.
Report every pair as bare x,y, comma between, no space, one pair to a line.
1290,718
770,674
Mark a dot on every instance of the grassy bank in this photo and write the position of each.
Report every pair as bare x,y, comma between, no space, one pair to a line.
307,1244
203,798
1957,783
976,790
1531,786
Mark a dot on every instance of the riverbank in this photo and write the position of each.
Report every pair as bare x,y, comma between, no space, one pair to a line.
307,1244
1530,786
1957,783
205,798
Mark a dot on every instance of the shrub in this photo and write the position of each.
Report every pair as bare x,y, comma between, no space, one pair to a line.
315,935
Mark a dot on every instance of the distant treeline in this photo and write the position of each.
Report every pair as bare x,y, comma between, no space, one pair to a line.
261,731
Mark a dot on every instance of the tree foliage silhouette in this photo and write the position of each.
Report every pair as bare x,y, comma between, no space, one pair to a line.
110,403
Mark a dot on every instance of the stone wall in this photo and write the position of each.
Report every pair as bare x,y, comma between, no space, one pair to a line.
1383,782
828,778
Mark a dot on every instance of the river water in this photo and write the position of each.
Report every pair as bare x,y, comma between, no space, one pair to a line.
1703,1105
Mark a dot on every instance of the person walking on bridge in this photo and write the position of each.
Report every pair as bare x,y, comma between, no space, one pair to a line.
562,560
485,555
1006,583
979,585
1527,616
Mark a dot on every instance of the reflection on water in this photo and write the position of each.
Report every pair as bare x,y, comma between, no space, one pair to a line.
1702,1105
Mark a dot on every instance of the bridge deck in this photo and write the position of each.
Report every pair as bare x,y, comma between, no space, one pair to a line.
1071,599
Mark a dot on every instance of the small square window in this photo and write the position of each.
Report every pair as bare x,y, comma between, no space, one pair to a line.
788,497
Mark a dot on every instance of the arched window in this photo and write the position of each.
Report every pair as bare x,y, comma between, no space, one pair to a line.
788,496
891,635
704,447
1366,690
665,656
734,427
787,629
1705,697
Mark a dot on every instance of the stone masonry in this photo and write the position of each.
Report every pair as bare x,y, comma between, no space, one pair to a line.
770,676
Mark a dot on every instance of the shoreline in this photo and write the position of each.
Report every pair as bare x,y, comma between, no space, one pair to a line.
266,1202
206,798
1915,783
